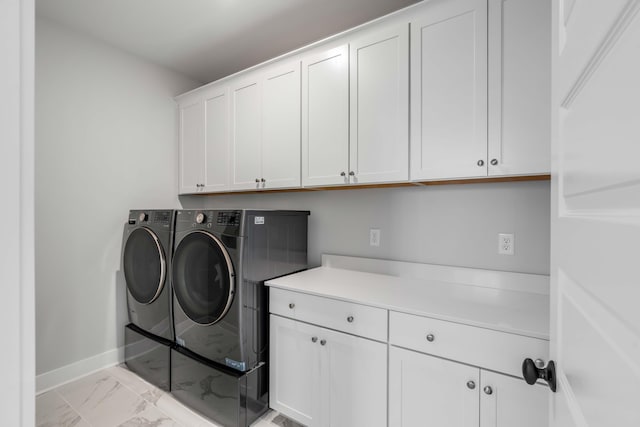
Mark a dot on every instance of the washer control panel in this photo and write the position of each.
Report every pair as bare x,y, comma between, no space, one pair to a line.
228,218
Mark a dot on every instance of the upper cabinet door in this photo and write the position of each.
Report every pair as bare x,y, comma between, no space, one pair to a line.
281,126
216,147
246,134
519,86
192,130
325,117
379,86
449,90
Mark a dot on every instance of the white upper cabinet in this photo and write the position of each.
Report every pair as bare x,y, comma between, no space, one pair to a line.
449,90
519,87
325,117
265,128
204,142
191,145
216,156
281,126
246,133
379,88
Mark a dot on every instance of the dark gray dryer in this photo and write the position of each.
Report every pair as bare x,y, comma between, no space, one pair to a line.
221,260
147,245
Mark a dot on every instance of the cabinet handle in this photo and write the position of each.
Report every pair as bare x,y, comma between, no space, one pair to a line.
263,180
343,174
480,162
431,338
350,319
291,305
471,385
352,173
323,342
488,390
257,180
494,162
314,339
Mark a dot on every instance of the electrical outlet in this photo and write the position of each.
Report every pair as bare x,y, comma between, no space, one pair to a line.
374,237
506,244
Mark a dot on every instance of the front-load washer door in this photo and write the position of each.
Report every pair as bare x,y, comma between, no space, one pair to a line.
203,278
145,265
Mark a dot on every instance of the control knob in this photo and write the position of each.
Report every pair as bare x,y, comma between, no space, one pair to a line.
142,217
200,218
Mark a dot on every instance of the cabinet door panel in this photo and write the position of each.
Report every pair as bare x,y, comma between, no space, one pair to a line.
281,127
512,402
449,87
519,86
428,391
325,117
192,125
354,373
216,168
246,134
294,370
379,86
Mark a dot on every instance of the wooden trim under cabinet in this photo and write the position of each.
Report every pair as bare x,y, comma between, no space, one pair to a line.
545,177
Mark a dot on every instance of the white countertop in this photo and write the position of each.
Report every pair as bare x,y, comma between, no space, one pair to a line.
511,311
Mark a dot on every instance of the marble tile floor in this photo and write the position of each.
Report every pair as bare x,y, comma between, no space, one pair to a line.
118,397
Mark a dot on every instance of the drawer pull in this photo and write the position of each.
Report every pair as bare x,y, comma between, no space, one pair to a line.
323,342
471,385
488,390
350,319
314,339
431,337
291,305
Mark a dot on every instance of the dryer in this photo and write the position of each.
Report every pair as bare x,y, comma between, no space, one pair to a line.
221,260
146,259
147,245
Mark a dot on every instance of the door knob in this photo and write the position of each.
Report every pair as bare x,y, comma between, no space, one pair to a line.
531,373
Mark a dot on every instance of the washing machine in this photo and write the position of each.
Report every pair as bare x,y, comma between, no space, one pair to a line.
147,245
221,260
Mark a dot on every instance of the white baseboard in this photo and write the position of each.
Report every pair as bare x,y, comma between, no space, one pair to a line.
73,371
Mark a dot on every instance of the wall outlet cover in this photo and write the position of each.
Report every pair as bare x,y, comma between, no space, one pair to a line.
374,237
506,243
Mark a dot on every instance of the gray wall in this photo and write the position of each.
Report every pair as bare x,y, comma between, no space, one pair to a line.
106,131
450,224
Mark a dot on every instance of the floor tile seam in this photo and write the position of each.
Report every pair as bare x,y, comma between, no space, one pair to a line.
72,407
155,404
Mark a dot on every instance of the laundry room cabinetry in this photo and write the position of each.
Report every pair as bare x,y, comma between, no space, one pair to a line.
425,376
204,141
265,128
481,77
321,376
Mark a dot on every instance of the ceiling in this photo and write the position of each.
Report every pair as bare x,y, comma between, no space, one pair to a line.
210,39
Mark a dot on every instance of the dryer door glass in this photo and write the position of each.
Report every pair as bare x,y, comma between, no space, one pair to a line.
144,265
203,278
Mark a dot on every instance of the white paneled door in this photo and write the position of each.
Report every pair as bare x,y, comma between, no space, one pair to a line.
246,133
595,221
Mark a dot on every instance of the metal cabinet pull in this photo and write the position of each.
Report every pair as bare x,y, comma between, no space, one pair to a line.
343,174
257,179
471,385
488,390
323,342
263,180
431,338
352,173
291,305
480,162
531,373
350,319
494,162
314,339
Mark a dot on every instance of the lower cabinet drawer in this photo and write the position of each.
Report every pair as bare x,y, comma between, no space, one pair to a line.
497,351
356,319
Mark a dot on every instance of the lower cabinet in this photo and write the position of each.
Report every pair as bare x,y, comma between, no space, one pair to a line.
429,391
321,377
